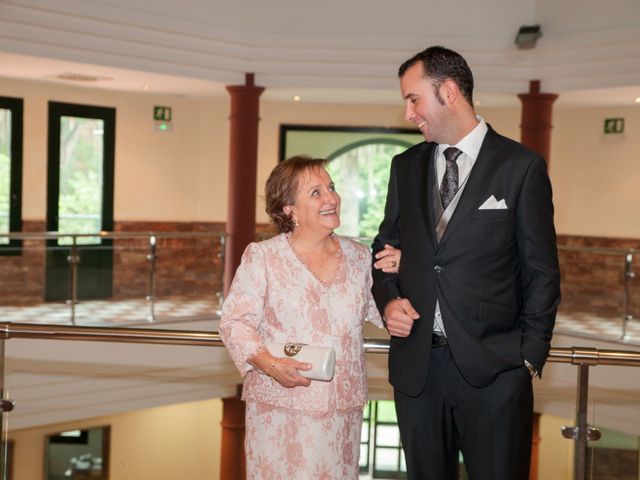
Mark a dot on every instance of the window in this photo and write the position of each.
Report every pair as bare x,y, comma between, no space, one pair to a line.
11,110
381,454
80,186
380,443
81,173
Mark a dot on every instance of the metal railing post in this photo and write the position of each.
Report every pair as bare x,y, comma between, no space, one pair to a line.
629,274
73,259
3,438
151,258
584,358
6,406
580,455
221,256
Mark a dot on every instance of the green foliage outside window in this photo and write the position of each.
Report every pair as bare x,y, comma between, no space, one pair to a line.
5,171
80,201
361,176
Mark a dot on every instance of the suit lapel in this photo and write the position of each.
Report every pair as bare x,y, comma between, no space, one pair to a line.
475,190
427,178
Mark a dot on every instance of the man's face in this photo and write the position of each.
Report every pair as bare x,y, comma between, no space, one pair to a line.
422,106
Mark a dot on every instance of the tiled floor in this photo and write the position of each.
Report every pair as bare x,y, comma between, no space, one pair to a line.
136,312
584,325
115,313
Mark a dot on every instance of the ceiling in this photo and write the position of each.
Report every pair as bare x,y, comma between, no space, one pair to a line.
330,51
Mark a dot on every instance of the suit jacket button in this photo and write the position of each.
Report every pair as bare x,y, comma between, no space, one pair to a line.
438,268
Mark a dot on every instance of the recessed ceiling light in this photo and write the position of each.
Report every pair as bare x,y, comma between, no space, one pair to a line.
637,100
296,98
146,88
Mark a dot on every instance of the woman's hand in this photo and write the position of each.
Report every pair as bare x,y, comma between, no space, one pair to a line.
285,371
388,259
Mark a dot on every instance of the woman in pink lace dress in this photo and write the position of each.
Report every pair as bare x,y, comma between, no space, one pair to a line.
305,285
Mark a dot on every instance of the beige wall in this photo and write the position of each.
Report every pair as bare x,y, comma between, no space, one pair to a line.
159,176
164,443
596,176
556,452
182,175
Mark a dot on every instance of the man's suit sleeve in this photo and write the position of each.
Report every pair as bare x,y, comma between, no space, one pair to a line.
385,285
539,262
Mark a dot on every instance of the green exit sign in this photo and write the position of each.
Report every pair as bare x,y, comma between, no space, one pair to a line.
162,114
613,125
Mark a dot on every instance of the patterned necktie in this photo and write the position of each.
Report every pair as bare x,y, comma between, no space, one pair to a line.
449,185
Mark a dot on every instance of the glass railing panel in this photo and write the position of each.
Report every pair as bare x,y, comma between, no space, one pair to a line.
614,456
600,287
22,279
612,406
85,409
113,284
75,385
614,409
189,277
125,279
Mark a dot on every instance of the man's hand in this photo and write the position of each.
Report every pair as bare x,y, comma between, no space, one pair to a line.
399,315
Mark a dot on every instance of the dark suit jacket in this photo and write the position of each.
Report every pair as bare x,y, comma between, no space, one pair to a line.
494,272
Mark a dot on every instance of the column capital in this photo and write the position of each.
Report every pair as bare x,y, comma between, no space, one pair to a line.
534,94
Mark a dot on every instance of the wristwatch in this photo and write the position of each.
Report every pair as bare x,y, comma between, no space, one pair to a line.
531,368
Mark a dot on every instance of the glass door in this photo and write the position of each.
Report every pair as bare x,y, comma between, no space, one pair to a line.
80,199
10,172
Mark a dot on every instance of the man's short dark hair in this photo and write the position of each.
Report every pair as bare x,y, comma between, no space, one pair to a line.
439,64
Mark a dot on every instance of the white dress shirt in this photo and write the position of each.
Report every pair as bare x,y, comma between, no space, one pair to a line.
470,147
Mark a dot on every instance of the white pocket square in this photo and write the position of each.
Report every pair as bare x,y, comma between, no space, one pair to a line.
492,204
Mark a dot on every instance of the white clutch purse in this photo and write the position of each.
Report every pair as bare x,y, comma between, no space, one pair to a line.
322,359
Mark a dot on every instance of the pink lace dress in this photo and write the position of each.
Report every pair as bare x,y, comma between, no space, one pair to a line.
311,431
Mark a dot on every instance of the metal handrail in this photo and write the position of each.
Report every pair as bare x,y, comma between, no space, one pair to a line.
603,250
8,330
573,355
106,235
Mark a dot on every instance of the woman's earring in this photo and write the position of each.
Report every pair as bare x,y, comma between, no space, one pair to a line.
295,222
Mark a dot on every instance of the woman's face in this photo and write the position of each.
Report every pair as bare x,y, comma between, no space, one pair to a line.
317,204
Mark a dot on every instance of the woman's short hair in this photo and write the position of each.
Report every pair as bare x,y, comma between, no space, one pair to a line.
282,186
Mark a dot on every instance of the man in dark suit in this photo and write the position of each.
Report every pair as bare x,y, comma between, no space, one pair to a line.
472,308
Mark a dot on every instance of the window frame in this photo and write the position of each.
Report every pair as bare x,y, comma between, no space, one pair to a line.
16,106
57,110
285,128
331,143
366,420
387,474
